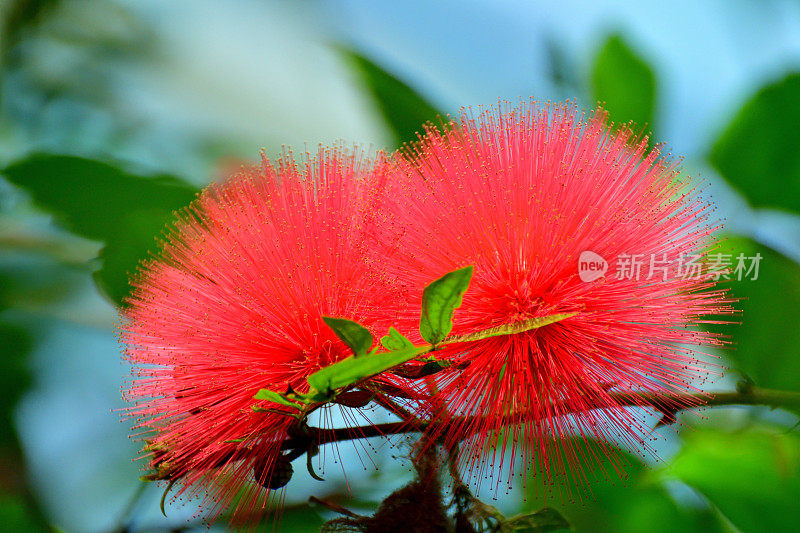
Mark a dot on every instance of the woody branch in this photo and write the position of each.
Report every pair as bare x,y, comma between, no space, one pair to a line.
659,401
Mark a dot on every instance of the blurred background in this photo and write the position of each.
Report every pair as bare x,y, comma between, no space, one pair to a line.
114,113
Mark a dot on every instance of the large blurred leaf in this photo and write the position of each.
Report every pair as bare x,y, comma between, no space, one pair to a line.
766,346
103,202
758,154
752,477
591,494
403,108
625,83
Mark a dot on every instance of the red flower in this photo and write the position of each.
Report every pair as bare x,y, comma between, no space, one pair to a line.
234,304
521,194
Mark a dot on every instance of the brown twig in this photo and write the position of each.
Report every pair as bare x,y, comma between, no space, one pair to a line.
335,507
675,402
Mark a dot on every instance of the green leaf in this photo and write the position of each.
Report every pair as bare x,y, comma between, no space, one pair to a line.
353,369
16,514
395,341
752,477
126,246
356,336
275,397
417,371
439,299
103,202
766,345
510,329
600,488
403,109
298,519
624,82
15,345
757,153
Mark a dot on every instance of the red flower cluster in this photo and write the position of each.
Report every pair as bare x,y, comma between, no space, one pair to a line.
522,194
235,302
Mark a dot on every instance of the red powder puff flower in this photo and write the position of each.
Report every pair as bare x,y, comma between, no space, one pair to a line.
558,215
233,304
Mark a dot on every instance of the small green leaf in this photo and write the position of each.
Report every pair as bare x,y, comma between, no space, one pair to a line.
356,336
439,299
275,397
624,82
403,109
354,369
316,396
510,329
757,153
395,341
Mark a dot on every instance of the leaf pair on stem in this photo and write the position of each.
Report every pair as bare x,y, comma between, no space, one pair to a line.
439,301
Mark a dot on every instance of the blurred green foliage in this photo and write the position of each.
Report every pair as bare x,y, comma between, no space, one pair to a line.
301,519
18,511
101,201
15,343
16,515
758,152
403,108
624,83
752,477
768,305
606,489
